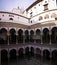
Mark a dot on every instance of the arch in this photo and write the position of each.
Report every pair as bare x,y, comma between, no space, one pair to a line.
54,35
31,51
12,54
46,37
3,30
0,18
40,18
46,16
20,31
20,52
26,32
31,36
10,18
12,39
32,32
53,15
38,36
26,36
38,31
46,54
4,55
27,51
12,31
38,52
20,36
3,36
54,55
45,30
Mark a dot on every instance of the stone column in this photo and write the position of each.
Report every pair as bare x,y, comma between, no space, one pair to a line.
41,37
41,56
50,57
50,36
17,55
8,37
0,57
23,38
16,38
34,36
8,57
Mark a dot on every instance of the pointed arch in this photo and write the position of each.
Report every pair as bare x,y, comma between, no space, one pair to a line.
46,37
40,18
54,35
46,16
53,15
38,36
3,36
31,36
12,39
20,36
26,36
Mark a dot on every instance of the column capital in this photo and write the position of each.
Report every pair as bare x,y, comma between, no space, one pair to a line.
8,55
50,55
17,54
50,32
17,34
8,33
0,57
41,33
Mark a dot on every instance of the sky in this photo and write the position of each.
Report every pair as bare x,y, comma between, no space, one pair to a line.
8,5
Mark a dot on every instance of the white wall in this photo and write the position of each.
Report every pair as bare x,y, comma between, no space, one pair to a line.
16,18
40,7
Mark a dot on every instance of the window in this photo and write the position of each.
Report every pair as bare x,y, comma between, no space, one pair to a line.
53,15
34,7
45,1
31,21
39,4
45,7
11,15
0,18
3,15
40,18
11,19
56,2
31,14
46,16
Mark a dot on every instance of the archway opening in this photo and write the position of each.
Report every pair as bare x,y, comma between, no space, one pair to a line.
3,36
46,37
13,54
32,36
20,52
12,39
27,52
54,57
54,35
27,36
38,53
46,54
4,55
20,36
31,51
38,36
